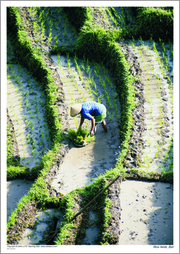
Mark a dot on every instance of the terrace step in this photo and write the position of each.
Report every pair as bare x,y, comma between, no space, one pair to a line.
154,87
24,118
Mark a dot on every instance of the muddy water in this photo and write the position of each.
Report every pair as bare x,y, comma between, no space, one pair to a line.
15,190
81,165
25,103
92,232
147,208
146,213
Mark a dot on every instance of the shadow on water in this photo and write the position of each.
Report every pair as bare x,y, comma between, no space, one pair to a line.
16,189
160,222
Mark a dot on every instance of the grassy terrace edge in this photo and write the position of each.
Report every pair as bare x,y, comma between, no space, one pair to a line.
35,63
103,45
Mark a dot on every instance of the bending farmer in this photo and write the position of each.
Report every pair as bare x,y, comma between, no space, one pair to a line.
90,110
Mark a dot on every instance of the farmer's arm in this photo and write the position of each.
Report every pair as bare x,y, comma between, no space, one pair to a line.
81,121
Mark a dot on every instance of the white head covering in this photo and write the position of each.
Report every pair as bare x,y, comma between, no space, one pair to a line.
75,109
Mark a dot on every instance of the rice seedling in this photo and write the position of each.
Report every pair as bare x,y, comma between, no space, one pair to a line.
50,36
37,162
40,17
9,67
110,115
42,32
59,62
56,40
29,141
123,15
34,153
80,136
96,73
20,82
19,67
65,31
13,74
28,105
94,85
69,63
142,43
36,107
83,65
117,18
78,69
111,16
33,144
88,66
107,94
35,27
16,89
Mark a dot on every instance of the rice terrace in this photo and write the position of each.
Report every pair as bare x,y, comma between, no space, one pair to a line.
117,187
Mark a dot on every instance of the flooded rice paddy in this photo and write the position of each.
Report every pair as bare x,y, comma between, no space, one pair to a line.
146,208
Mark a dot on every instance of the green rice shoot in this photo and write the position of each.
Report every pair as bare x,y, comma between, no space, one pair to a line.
80,136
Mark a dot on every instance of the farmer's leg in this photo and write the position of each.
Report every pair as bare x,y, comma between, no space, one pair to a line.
95,127
104,125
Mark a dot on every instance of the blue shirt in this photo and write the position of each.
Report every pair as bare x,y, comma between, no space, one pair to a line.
91,108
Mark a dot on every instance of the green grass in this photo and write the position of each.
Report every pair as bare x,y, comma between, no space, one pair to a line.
9,143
